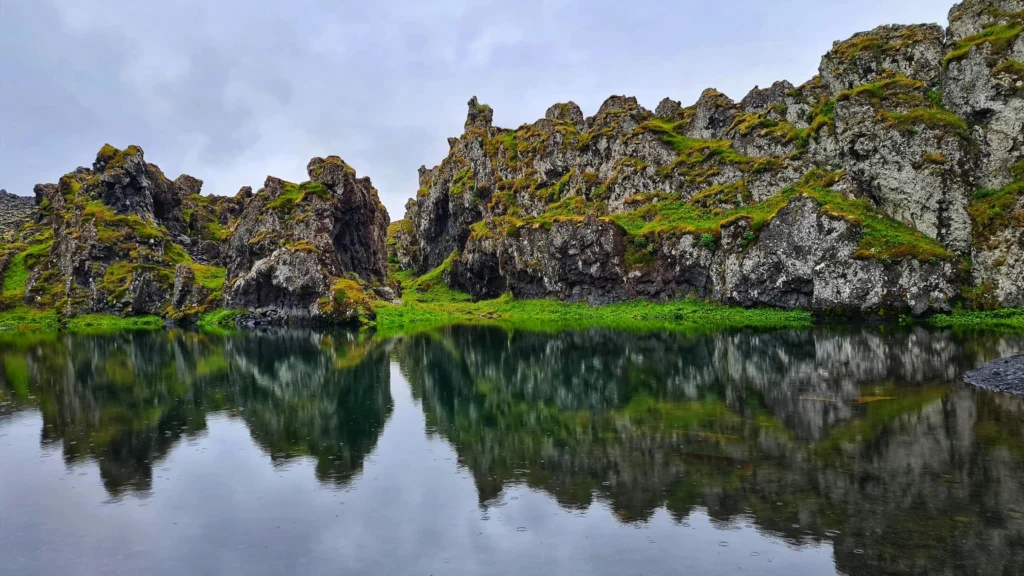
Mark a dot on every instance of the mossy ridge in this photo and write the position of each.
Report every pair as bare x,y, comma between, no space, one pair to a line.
994,210
694,154
999,37
906,104
1013,69
882,237
293,195
878,43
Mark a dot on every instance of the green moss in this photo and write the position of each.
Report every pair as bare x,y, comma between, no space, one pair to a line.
999,38
462,181
210,277
921,107
882,237
877,45
24,319
1011,319
994,210
936,118
218,320
550,315
694,154
1012,68
293,195
15,276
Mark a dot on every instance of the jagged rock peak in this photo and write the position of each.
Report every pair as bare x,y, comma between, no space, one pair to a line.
914,51
761,98
480,116
971,17
330,171
567,111
669,108
614,103
714,113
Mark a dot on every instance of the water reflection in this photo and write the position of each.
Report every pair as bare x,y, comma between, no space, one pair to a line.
125,400
861,439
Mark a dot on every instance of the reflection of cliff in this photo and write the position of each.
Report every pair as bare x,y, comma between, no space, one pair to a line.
862,438
125,400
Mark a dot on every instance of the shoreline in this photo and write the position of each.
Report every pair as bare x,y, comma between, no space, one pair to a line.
438,306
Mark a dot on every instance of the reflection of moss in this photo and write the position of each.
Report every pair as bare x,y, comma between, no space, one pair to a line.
878,416
15,367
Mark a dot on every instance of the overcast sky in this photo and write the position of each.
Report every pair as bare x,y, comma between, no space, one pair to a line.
231,91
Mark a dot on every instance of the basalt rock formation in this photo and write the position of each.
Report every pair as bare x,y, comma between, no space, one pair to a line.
893,181
121,238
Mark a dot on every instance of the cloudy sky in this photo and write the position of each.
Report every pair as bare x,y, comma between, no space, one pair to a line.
230,91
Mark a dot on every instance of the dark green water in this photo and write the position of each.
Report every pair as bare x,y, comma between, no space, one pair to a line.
480,451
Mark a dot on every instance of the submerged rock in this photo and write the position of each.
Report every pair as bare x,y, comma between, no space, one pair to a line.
1004,375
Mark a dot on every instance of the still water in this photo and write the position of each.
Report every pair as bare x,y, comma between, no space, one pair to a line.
482,451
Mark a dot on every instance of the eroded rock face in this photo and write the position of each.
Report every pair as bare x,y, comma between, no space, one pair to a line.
919,128
293,243
803,258
122,238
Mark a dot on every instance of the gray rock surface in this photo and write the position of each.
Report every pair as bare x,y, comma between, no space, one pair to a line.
1003,375
15,212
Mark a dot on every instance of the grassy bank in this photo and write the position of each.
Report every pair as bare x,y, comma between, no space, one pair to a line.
427,302
1011,319
22,321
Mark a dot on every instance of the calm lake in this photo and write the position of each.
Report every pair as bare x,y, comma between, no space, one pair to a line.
483,451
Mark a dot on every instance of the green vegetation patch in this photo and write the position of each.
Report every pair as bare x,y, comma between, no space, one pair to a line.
293,194
210,277
891,41
550,315
998,37
219,320
1011,319
919,106
15,275
1012,68
994,210
694,154
428,303
882,237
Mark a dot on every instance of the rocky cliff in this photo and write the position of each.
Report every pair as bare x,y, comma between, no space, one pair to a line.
892,181
122,238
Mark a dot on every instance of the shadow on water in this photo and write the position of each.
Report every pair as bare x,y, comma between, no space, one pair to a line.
862,438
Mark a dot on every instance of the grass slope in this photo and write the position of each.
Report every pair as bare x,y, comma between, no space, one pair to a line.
429,303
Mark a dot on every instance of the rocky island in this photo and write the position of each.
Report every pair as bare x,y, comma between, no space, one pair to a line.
891,183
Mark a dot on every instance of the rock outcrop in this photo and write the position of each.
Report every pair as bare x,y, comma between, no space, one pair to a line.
15,212
891,181
122,238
